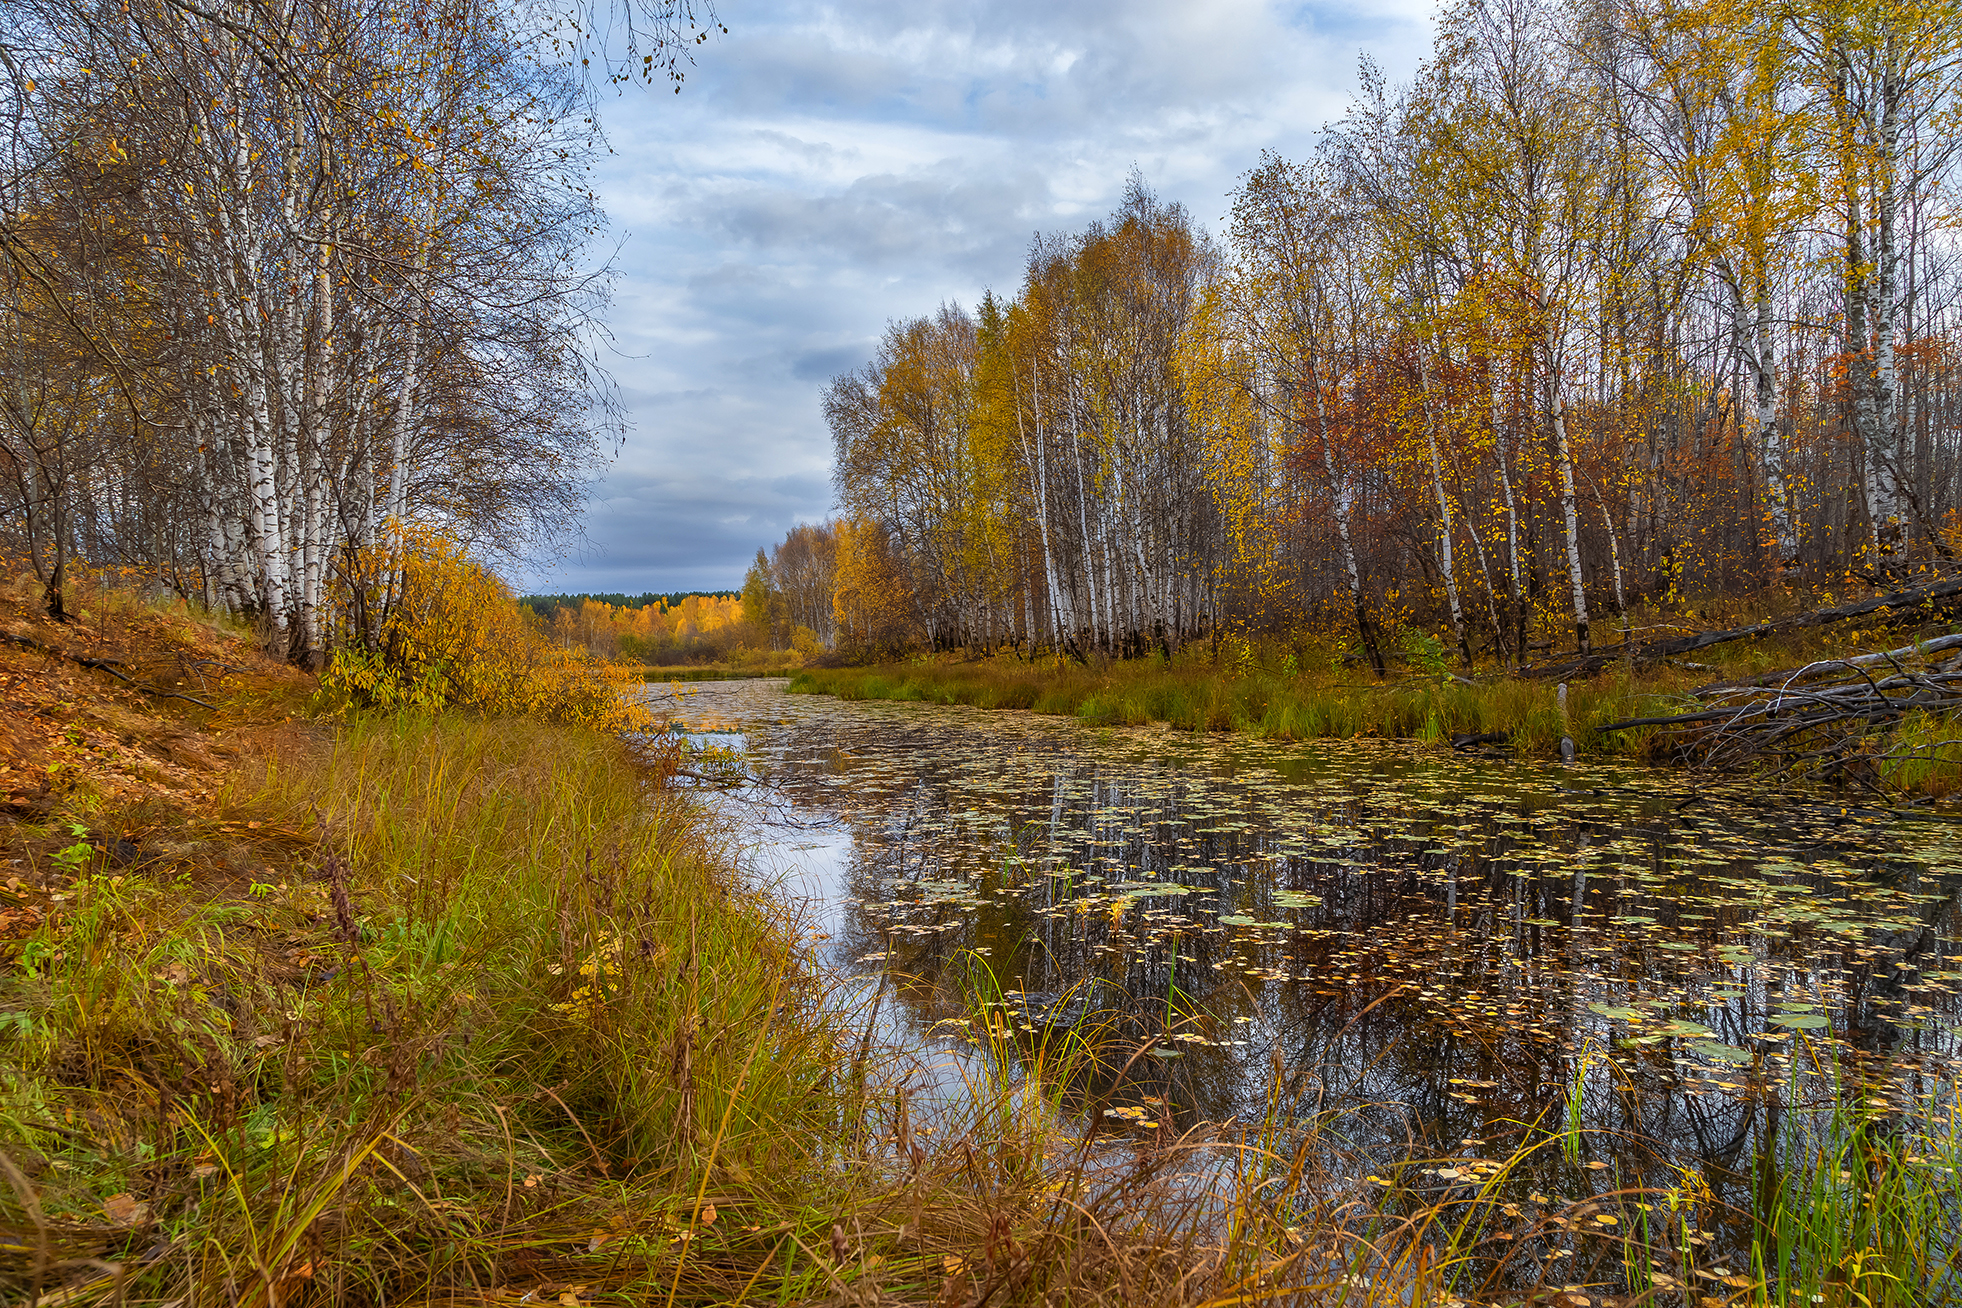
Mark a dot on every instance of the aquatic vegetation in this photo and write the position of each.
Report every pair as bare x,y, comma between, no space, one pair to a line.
1627,985
1192,695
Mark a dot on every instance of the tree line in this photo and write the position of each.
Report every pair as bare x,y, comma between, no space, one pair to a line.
548,606
664,630
1616,300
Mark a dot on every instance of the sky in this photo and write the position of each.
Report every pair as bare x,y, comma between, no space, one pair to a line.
829,168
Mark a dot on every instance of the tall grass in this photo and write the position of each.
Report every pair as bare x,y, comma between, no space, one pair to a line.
436,1007
1192,694
1859,1199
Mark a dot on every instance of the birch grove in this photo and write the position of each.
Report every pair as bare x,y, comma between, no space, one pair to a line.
307,281
1617,302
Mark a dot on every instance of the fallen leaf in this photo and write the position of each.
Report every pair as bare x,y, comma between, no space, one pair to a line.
125,1210
708,1214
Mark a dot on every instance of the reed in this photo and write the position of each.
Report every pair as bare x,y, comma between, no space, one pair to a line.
1191,694
1859,1200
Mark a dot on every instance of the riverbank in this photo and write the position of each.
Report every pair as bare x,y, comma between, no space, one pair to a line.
1278,694
1193,694
305,1004
379,1007
721,672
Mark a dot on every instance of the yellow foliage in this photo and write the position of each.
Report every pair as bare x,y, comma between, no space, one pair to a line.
873,599
450,634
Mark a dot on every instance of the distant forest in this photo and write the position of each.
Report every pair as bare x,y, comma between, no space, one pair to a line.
548,606
666,630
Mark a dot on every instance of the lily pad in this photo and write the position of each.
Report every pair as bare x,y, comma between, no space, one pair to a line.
1717,1052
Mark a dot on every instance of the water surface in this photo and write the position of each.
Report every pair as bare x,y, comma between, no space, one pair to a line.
1442,948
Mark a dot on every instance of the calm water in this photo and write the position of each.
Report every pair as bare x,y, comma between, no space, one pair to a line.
1442,947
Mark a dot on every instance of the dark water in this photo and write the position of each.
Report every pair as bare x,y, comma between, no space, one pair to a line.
1443,948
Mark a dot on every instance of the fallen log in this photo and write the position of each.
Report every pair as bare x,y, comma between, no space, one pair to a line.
1835,717
1938,594
1821,667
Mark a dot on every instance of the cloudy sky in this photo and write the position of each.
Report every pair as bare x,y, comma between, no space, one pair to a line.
830,167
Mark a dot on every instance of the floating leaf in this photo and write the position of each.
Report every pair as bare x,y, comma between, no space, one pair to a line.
1720,1053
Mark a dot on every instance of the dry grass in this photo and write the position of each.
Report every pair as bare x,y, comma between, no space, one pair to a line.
474,1010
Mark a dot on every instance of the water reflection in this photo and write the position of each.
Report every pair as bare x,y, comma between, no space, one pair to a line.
1445,948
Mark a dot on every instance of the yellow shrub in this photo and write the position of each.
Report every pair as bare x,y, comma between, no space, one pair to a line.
431,628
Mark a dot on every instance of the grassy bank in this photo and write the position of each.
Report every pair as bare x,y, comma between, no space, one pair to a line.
718,672
398,1006
1193,694
1288,692
366,1008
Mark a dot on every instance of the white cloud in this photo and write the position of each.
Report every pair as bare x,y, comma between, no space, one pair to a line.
830,167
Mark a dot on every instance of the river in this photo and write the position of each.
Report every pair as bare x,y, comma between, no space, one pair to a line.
1426,951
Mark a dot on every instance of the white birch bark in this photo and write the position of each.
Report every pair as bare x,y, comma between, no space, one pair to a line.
1443,507
1563,451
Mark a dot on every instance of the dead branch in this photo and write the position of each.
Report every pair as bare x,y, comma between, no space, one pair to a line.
1939,595
1831,718
101,665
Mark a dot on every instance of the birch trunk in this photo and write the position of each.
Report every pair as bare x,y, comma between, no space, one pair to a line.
1517,593
1344,507
1563,452
1443,510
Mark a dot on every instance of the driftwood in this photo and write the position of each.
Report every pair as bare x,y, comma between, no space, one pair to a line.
1831,718
1938,595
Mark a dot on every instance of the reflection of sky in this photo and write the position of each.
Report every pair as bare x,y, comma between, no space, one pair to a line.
805,858
829,167
1422,940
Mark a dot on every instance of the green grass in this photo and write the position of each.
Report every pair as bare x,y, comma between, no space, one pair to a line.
717,672
1192,694
1857,1203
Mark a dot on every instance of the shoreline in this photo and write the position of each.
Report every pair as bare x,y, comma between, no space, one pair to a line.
1619,712
373,1006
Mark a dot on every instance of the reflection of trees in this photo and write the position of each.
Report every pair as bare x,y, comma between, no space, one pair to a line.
1440,987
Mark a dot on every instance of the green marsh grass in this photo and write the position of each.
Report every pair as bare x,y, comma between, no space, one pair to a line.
1859,1200
1191,694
